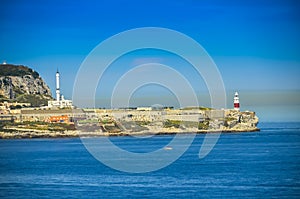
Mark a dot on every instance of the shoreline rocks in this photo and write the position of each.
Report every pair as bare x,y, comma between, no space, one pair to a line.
32,134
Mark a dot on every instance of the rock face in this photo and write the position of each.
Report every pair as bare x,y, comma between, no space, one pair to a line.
18,81
239,121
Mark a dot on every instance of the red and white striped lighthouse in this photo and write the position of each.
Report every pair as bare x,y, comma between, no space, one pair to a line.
236,102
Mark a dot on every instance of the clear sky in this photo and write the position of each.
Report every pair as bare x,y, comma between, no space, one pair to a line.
255,43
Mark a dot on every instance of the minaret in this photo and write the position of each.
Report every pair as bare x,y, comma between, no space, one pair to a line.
57,87
236,102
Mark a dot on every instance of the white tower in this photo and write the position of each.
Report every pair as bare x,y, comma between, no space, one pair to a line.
57,87
236,102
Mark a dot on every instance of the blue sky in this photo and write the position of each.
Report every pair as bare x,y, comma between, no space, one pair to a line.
255,44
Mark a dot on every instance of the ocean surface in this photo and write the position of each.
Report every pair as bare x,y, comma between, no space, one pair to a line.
247,165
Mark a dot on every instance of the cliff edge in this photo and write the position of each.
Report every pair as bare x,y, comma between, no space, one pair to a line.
22,84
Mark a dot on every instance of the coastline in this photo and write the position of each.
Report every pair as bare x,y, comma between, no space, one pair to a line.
32,134
98,122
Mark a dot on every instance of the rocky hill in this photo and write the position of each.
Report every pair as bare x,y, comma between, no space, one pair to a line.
22,84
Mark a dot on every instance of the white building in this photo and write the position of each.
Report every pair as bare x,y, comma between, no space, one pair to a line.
144,108
60,101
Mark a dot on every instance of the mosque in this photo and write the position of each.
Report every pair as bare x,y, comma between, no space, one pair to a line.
60,101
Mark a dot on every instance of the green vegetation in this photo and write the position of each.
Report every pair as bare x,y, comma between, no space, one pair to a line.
88,121
142,123
200,108
15,107
186,124
17,70
3,124
37,126
34,100
3,98
112,129
203,125
134,126
228,119
106,121
171,123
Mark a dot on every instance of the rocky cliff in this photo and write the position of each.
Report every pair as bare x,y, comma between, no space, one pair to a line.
22,84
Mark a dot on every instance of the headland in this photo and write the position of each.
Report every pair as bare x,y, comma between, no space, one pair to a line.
27,110
49,123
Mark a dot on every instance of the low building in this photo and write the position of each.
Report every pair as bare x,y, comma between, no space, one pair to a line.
43,115
60,118
144,108
63,103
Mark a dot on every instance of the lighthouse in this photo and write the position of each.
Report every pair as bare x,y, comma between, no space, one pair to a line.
60,101
236,102
57,87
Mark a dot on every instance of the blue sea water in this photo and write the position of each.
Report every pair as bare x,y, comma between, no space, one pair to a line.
245,165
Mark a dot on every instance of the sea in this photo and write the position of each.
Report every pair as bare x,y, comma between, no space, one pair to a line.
263,164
